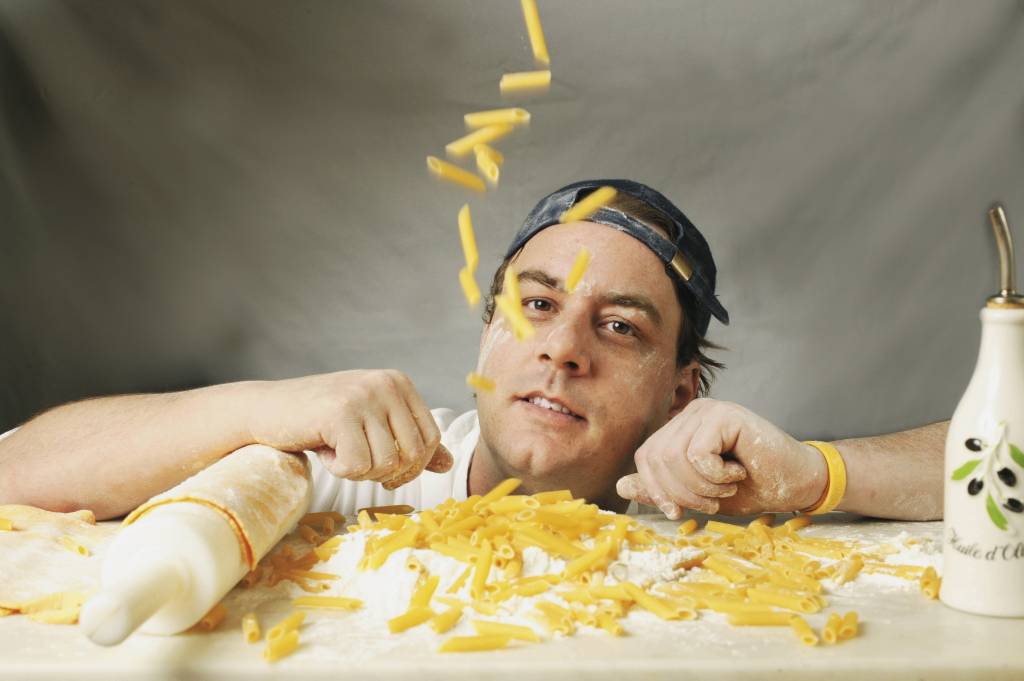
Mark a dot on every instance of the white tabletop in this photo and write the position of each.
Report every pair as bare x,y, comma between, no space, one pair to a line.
903,636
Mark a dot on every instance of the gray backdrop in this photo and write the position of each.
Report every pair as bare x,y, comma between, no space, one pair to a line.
196,192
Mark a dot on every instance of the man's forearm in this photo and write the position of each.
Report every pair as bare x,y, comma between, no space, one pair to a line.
110,454
897,475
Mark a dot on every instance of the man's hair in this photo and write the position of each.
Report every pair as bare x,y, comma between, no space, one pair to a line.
691,344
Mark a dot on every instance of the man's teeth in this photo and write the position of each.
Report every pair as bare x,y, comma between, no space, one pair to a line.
548,404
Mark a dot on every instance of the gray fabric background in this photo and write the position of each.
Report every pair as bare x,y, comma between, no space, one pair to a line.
196,192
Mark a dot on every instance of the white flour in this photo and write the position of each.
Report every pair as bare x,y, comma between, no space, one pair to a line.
386,592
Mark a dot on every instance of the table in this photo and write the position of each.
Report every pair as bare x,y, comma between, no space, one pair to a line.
903,636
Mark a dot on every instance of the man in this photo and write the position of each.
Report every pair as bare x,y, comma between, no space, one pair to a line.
605,399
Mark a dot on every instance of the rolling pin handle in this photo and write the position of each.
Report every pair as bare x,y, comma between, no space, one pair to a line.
111,615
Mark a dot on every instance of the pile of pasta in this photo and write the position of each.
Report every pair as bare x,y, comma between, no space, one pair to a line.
755,574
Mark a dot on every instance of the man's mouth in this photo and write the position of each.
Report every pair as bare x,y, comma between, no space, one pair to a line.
551,404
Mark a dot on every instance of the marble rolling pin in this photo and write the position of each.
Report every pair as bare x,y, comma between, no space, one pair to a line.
182,550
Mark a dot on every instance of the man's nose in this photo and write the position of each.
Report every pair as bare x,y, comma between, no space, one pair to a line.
566,346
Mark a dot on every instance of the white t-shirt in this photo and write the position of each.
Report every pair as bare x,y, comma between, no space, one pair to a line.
458,433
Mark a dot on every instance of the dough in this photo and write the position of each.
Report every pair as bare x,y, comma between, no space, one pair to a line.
262,492
35,564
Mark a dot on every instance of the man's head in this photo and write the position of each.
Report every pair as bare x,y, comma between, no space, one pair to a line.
623,353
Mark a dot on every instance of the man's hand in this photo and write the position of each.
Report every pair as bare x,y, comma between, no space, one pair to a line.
682,466
364,425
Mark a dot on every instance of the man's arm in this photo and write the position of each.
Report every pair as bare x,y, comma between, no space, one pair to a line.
896,476
110,454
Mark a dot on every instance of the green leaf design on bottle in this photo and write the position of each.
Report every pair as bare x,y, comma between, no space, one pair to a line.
998,519
1017,455
966,469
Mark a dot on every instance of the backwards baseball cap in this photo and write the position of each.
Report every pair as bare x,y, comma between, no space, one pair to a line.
685,253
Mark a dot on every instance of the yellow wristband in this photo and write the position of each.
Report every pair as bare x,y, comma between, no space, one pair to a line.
836,487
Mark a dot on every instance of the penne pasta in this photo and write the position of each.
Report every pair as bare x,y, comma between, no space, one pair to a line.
848,626
588,206
71,545
409,619
465,644
281,646
289,623
468,239
469,288
456,175
525,82
424,592
480,382
830,634
514,631
579,267
687,528
489,133
803,631
761,619
511,116
502,489
533,28
212,619
486,166
328,602
446,620
250,627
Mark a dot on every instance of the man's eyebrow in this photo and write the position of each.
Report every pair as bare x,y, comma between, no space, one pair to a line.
635,301
632,300
541,277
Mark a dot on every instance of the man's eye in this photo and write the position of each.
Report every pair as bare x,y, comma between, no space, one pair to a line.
621,328
538,305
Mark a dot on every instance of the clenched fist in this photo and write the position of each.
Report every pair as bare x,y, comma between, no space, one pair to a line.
716,457
363,425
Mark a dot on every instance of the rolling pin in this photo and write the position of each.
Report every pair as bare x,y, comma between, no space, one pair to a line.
182,550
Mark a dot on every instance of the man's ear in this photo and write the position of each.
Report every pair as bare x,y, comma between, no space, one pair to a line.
687,383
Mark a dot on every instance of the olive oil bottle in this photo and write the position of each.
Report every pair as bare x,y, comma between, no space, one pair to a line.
983,544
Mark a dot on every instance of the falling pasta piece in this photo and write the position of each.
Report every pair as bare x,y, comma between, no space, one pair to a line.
456,175
521,326
514,116
487,167
588,206
511,286
490,152
468,239
6,525
533,28
490,133
578,268
479,382
469,287
525,81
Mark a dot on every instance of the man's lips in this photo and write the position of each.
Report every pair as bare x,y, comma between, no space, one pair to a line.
552,403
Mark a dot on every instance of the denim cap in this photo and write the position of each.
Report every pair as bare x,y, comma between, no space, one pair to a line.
687,256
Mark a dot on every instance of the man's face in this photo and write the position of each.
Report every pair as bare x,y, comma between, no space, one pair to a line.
607,353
